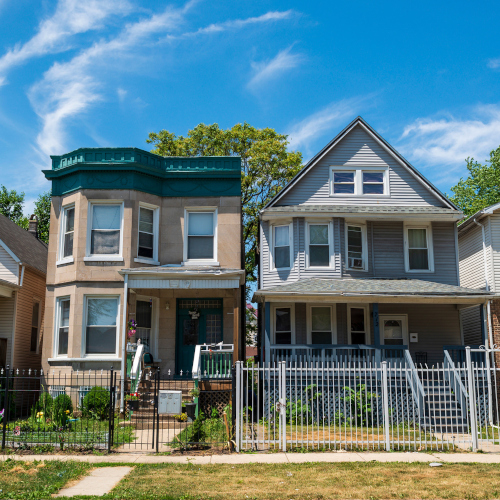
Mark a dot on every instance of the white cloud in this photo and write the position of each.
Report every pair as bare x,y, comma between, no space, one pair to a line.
68,89
54,34
494,63
122,93
269,70
316,125
448,141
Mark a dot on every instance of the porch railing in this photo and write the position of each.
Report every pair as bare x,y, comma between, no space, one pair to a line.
454,379
413,380
457,354
327,353
136,371
213,361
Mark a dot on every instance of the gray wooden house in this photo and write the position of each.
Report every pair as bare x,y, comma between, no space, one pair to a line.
359,260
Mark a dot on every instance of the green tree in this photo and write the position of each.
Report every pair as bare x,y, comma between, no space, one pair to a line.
42,212
11,205
266,166
481,188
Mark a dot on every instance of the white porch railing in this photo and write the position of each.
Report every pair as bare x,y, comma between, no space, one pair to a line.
213,361
136,371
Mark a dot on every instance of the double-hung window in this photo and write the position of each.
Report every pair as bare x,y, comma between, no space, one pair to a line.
147,241
356,247
67,235
359,181
283,325
105,231
200,244
101,320
282,236
62,327
321,325
418,251
319,252
35,326
357,317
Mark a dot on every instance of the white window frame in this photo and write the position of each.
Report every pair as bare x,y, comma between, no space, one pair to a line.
36,300
103,257
290,242
107,356
197,262
62,232
330,243
57,320
275,306
364,242
366,308
156,234
404,324
333,318
430,249
358,180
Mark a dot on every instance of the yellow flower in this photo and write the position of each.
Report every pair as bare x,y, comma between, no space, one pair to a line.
67,412
39,414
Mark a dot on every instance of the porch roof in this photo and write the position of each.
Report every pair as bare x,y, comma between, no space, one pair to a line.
367,211
373,290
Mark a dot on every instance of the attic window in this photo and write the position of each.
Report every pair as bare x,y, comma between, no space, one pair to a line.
359,181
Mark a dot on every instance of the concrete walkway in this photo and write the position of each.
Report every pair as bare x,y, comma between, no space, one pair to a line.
270,458
99,482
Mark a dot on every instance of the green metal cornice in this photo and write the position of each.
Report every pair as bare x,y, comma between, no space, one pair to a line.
135,169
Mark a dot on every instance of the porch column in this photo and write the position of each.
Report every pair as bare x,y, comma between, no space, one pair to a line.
484,327
236,327
376,326
266,344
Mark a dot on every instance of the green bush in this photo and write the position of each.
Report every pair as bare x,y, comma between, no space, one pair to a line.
45,404
96,403
62,409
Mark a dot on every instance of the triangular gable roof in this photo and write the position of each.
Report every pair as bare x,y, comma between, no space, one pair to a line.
395,154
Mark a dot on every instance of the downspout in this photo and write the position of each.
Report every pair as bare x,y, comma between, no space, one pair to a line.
124,343
22,275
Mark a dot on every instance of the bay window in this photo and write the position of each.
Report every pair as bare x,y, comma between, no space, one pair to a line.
148,229
62,327
105,224
101,320
67,235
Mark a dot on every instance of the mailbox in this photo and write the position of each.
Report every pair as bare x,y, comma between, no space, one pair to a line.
170,402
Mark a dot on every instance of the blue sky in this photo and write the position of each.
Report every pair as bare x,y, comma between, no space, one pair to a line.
94,73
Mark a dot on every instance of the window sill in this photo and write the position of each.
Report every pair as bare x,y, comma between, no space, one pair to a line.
146,261
356,270
200,263
68,260
320,268
422,271
103,258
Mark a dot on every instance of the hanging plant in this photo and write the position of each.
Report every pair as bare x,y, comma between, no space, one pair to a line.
132,327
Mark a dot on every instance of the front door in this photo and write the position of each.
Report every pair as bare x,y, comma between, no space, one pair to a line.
393,329
198,322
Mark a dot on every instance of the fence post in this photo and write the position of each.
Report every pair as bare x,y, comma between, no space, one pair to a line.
233,404
111,410
472,400
6,406
157,399
238,405
283,403
385,403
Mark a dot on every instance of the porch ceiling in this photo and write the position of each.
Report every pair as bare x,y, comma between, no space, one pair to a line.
373,290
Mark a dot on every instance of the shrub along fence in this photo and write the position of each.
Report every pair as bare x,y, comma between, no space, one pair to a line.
83,410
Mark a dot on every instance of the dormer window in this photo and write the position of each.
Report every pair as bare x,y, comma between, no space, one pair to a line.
359,181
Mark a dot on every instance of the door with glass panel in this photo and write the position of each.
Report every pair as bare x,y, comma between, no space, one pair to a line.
393,329
144,315
199,321
358,332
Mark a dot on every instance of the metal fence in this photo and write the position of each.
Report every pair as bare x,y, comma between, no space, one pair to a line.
358,406
81,410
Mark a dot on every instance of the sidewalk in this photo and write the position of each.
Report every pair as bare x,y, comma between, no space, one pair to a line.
272,458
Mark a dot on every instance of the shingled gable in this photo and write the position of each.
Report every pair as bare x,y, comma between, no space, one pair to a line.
383,143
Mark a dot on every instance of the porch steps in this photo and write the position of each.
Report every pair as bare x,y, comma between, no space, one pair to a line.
445,414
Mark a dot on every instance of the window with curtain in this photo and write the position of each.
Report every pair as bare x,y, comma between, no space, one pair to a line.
146,233
418,252
68,232
101,318
355,248
105,233
201,236
283,325
63,327
319,247
358,325
321,325
281,246
35,326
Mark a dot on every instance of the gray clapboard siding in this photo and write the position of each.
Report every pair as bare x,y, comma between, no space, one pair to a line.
470,320
493,232
7,307
471,258
359,149
8,267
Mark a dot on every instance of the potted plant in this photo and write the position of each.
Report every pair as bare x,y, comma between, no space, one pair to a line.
132,400
191,406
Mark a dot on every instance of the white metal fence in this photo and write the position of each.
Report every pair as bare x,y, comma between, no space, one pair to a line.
356,406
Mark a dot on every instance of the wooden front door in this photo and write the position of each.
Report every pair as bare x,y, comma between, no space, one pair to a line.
202,326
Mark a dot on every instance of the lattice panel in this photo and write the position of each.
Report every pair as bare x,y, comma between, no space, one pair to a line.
214,399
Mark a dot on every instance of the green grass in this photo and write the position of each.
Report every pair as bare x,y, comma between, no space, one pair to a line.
36,480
